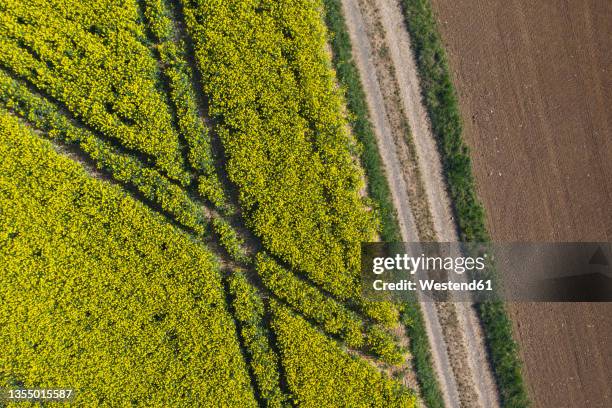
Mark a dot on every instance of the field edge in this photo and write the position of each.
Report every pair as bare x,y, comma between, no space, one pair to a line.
378,190
440,99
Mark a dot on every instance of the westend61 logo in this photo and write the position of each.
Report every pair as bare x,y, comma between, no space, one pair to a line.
475,272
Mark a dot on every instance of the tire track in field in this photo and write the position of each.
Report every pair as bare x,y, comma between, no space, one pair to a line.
399,188
226,263
253,243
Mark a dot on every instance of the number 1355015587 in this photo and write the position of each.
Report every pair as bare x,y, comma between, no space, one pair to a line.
33,394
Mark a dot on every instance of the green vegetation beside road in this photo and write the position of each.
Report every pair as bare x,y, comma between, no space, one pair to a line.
379,191
441,101
359,119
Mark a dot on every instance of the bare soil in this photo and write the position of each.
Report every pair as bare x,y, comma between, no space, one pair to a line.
535,84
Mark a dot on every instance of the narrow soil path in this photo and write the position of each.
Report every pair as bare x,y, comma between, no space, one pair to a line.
461,361
399,187
430,164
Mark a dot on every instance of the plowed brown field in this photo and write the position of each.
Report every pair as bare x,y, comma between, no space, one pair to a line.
535,86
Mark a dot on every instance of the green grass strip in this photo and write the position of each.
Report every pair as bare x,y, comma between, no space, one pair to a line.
440,99
378,190
348,76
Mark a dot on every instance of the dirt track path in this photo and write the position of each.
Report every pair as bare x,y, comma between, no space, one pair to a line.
408,229
397,41
433,179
